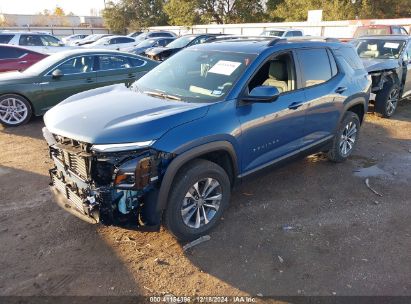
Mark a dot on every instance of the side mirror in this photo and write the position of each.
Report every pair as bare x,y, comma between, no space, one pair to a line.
262,94
61,43
57,73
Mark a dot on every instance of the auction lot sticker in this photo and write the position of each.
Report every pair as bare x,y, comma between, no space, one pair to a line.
224,67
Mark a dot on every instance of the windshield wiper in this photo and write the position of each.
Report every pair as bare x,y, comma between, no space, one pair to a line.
162,95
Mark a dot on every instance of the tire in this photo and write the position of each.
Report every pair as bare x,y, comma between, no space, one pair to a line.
182,201
15,110
386,100
345,139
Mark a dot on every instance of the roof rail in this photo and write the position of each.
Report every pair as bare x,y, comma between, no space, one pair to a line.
313,38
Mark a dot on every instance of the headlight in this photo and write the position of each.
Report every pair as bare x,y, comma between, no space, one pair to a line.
122,147
136,173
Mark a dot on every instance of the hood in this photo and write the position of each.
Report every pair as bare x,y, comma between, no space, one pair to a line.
157,50
115,114
15,77
373,65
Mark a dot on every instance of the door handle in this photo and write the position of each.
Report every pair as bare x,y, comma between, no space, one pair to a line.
89,80
295,105
340,90
23,62
131,75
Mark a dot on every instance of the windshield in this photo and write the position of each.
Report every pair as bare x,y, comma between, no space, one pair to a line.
272,33
44,64
195,76
366,31
181,42
379,49
146,43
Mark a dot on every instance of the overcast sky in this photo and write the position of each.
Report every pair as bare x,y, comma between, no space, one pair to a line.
78,7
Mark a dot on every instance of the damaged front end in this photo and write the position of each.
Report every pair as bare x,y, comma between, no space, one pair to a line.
111,184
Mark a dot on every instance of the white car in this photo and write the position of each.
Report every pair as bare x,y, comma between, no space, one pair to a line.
36,41
113,43
282,32
70,40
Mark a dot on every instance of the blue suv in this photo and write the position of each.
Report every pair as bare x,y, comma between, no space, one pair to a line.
170,148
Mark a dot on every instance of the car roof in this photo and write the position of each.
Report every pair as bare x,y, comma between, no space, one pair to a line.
23,33
259,44
386,37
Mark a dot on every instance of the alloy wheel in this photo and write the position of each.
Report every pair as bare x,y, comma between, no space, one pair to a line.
13,111
348,138
392,101
201,202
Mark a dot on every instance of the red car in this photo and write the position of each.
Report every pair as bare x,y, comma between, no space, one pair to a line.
13,58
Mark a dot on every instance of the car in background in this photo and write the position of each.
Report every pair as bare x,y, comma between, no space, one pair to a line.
90,39
198,123
162,53
388,60
113,43
154,34
379,29
14,58
35,41
57,77
282,32
144,45
134,34
73,38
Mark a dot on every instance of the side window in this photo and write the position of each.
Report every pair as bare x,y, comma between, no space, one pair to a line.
278,72
396,30
30,40
198,40
124,40
403,31
112,41
11,53
108,62
162,42
5,38
77,65
407,52
289,34
135,62
297,33
50,40
315,66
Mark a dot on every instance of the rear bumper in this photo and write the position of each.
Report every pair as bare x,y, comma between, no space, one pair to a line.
67,205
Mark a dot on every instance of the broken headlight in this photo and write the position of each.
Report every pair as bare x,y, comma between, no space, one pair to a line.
136,173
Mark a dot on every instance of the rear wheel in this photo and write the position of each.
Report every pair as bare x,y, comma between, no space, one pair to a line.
345,139
15,110
386,100
200,194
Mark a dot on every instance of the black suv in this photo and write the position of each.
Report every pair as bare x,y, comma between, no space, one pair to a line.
173,146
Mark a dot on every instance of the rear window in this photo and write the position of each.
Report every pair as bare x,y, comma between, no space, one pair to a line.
367,31
5,38
350,55
10,53
315,66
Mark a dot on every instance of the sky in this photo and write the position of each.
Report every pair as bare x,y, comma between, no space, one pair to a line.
78,7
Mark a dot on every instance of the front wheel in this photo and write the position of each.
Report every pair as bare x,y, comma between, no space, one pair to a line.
386,100
200,193
345,138
15,110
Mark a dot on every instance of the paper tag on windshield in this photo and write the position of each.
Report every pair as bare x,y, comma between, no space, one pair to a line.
224,67
391,45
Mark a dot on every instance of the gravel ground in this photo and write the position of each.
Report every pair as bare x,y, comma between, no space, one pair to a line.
307,228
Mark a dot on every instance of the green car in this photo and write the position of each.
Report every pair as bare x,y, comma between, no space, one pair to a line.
59,76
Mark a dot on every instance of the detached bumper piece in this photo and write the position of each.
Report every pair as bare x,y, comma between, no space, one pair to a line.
68,199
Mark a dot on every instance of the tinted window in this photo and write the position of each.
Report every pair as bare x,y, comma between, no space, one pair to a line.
297,33
289,34
30,40
164,42
5,38
199,40
11,53
135,62
113,62
315,66
77,65
160,35
396,30
124,40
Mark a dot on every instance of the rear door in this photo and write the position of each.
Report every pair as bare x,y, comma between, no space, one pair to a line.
78,76
407,69
321,81
114,69
32,42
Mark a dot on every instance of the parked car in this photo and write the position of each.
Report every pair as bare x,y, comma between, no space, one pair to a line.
46,83
134,34
154,34
388,61
73,38
113,43
376,29
90,39
35,41
162,53
197,123
14,58
282,32
144,45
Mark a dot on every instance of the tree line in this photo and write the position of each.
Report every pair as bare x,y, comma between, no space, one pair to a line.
139,14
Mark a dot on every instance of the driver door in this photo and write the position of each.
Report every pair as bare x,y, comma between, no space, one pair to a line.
78,76
272,130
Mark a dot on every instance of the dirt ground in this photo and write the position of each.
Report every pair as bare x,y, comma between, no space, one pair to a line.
308,228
